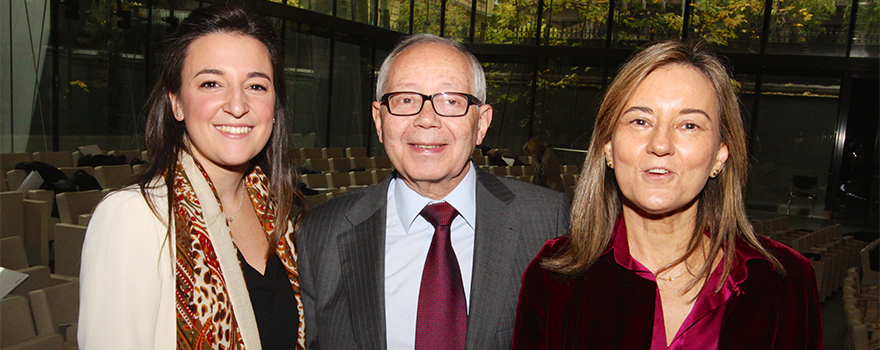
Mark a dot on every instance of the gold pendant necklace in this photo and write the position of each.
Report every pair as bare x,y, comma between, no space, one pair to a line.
670,279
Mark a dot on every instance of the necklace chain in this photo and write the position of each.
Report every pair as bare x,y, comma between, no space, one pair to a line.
240,202
670,279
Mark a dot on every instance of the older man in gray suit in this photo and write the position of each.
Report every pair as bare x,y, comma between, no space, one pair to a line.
432,257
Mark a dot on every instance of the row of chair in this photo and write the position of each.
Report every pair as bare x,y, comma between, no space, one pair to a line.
60,159
860,305
27,216
336,179
42,311
331,152
348,163
830,253
45,319
769,228
108,176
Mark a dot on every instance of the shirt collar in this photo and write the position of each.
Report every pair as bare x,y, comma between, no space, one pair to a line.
463,197
620,248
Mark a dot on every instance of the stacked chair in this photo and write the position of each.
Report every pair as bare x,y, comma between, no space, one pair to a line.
860,304
830,252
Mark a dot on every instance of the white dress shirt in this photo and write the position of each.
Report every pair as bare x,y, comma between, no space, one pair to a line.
407,240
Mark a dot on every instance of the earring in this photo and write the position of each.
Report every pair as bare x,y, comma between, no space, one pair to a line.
609,164
714,173
273,120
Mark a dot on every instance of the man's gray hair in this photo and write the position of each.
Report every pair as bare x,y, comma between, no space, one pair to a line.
478,78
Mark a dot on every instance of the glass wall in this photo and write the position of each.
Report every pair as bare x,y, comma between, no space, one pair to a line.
808,27
104,53
794,139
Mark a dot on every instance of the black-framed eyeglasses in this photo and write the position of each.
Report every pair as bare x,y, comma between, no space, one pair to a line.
446,104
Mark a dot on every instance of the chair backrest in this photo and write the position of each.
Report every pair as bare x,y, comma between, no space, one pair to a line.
379,175
479,160
4,186
14,178
71,204
139,168
340,164
338,179
528,170
315,181
332,152
317,199
309,139
113,176
36,230
569,180
57,159
41,195
75,156
12,253
362,162
9,160
68,248
869,276
477,153
11,214
16,323
319,164
352,152
382,163
360,178
55,306
39,277
306,153
129,154
515,170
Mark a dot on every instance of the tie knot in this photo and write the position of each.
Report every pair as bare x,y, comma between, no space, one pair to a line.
439,214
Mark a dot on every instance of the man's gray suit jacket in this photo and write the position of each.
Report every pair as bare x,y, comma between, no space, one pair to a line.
341,249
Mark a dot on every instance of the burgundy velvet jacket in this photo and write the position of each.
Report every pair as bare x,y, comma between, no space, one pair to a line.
610,307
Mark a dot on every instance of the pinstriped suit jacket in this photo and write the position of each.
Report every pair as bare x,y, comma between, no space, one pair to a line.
342,261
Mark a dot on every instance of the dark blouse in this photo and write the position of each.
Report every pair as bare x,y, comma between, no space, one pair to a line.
274,303
612,307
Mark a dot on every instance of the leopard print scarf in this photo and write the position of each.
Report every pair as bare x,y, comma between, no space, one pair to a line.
205,317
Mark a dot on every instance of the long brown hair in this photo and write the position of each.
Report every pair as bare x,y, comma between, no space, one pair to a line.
164,135
721,209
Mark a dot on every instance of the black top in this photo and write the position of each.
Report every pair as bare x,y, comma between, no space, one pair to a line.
274,303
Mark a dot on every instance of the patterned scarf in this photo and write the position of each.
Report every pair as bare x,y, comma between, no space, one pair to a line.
205,318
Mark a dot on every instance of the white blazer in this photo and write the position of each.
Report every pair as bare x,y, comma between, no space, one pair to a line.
127,275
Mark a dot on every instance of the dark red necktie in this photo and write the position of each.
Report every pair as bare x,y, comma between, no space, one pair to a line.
442,315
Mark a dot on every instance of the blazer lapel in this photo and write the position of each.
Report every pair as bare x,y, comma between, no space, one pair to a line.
492,243
362,259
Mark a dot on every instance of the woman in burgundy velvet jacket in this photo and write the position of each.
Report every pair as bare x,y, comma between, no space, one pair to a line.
661,254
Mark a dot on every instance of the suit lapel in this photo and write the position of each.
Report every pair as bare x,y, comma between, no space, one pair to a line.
362,258
493,241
